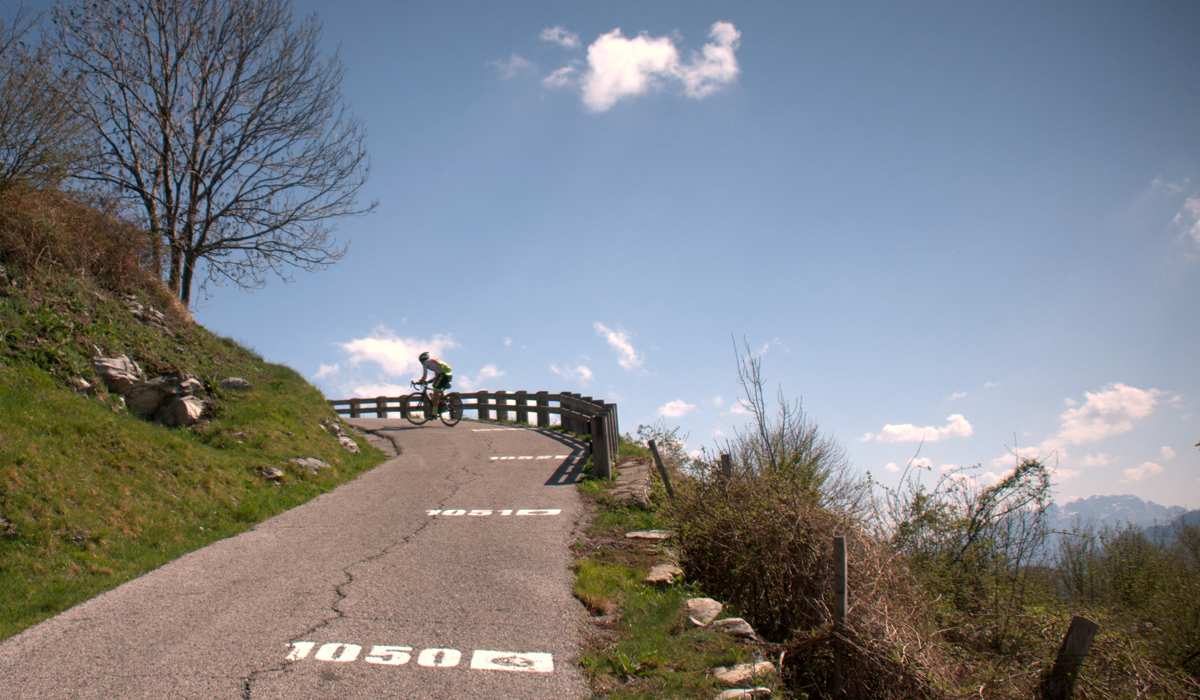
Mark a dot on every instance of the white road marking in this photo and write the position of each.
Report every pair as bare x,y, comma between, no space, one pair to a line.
534,457
508,661
494,430
484,512
386,655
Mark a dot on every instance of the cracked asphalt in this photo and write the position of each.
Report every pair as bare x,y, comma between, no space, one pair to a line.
359,593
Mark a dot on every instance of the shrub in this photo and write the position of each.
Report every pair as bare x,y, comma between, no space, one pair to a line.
43,233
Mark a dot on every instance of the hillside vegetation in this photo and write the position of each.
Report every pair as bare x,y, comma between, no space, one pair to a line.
956,588
91,495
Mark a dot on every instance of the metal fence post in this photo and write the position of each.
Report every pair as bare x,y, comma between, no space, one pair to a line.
662,471
841,601
1060,684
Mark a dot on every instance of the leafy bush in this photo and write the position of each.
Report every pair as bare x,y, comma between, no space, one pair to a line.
1153,584
762,541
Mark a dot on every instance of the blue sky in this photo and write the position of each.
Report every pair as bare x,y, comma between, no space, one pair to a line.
970,223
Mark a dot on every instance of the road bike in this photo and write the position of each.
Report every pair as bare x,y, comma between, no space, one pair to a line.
418,407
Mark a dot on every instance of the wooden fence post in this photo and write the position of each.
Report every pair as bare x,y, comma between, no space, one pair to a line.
662,471
522,410
1060,684
601,464
543,416
841,600
726,468
381,407
501,400
481,402
355,405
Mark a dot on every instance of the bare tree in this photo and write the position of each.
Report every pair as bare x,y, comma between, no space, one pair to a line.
224,126
40,136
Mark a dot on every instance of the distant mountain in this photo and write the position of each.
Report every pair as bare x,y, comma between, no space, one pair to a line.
1166,532
1112,510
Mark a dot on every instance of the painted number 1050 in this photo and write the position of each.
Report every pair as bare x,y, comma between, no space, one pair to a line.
385,655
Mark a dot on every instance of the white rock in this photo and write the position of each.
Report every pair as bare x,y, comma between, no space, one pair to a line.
271,472
346,442
144,398
703,610
312,464
235,384
180,411
663,573
761,693
118,373
649,534
743,672
735,626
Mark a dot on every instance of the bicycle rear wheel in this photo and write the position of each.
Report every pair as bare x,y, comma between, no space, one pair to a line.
452,409
417,408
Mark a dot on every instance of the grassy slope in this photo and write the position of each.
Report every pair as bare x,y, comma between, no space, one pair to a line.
96,496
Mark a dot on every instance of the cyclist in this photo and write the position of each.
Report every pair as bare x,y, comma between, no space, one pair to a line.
441,377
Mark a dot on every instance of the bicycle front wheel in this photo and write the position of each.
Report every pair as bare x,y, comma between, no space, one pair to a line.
451,409
417,408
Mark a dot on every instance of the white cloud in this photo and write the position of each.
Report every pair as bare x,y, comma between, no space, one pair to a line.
579,373
717,67
620,67
1188,219
1100,460
1168,187
1167,453
628,357
957,427
327,371
1010,460
396,356
567,76
717,401
957,395
370,391
675,409
510,67
1110,411
489,372
507,342
892,467
560,36
990,385
739,409
1141,472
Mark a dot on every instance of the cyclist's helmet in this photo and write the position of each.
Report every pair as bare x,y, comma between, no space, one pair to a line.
424,356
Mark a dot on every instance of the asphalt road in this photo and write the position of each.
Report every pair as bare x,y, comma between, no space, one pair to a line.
442,573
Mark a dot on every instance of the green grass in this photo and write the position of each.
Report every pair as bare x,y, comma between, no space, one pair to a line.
96,496
655,652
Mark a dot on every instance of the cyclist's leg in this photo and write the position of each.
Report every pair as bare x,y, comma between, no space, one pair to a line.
440,384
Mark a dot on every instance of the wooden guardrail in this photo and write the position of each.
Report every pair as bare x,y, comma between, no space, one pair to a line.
576,413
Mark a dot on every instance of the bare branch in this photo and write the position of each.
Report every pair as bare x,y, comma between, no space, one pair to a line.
223,122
